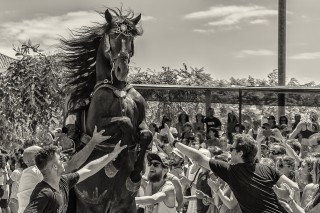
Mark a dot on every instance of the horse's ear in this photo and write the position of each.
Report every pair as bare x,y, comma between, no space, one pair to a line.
136,20
108,16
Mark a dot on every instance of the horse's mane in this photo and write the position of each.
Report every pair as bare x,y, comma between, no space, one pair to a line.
79,57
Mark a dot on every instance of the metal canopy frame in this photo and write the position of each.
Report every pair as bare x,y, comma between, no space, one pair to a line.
299,96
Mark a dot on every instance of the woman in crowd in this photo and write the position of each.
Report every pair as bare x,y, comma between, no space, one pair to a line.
199,125
183,118
14,180
306,128
285,193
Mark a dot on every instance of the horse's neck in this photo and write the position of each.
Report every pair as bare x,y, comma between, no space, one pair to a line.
103,70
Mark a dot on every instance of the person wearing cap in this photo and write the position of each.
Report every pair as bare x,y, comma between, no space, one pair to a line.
212,121
160,195
176,162
31,176
252,183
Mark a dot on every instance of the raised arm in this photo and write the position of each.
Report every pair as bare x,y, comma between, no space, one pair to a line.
167,191
194,154
296,130
78,159
94,166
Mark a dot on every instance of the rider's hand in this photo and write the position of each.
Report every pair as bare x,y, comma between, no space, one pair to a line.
97,137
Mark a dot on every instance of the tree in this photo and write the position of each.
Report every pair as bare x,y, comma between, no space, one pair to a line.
31,92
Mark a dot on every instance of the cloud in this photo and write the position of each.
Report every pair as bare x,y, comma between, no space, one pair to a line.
47,29
233,15
306,56
147,18
259,21
247,53
204,31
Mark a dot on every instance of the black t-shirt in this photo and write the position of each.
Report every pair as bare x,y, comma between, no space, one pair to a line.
46,199
212,122
251,185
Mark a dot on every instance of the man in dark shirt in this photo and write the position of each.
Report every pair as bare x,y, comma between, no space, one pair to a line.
52,194
212,121
250,182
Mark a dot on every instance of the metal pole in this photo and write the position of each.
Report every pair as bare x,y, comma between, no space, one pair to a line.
281,54
240,106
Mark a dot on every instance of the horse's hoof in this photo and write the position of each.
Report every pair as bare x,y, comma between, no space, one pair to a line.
131,186
110,170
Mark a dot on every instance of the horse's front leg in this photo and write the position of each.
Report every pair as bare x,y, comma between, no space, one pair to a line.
145,138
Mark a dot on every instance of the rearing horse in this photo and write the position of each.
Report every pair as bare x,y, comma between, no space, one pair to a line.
114,106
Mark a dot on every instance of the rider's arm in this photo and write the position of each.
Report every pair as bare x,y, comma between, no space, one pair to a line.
290,183
94,166
165,193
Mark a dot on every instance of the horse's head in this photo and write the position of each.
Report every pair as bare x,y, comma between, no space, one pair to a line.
118,43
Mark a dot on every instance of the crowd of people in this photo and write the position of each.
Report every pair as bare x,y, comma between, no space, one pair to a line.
194,165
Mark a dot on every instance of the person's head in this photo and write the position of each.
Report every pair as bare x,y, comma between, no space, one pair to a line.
283,120
244,149
285,165
183,117
264,150
239,128
256,124
297,118
29,155
48,161
305,169
199,117
199,138
210,112
276,150
176,158
165,120
314,116
272,121
224,142
159,164
314,143
187,127
213,133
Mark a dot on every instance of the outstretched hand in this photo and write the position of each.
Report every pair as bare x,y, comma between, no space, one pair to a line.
283,192
97,137
118,148
200,194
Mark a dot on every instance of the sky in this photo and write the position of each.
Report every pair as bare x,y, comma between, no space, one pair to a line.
228,38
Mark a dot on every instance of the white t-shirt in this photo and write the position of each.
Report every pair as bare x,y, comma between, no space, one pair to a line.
15,177
30,177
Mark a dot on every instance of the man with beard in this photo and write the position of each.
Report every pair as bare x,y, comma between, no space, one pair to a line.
160,195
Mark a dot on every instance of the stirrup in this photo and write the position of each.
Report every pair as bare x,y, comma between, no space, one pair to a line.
110,170
131,186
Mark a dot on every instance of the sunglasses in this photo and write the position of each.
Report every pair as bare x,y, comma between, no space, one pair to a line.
275,152
155,164
281,165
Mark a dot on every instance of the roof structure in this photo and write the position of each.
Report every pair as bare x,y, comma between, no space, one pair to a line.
5,61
